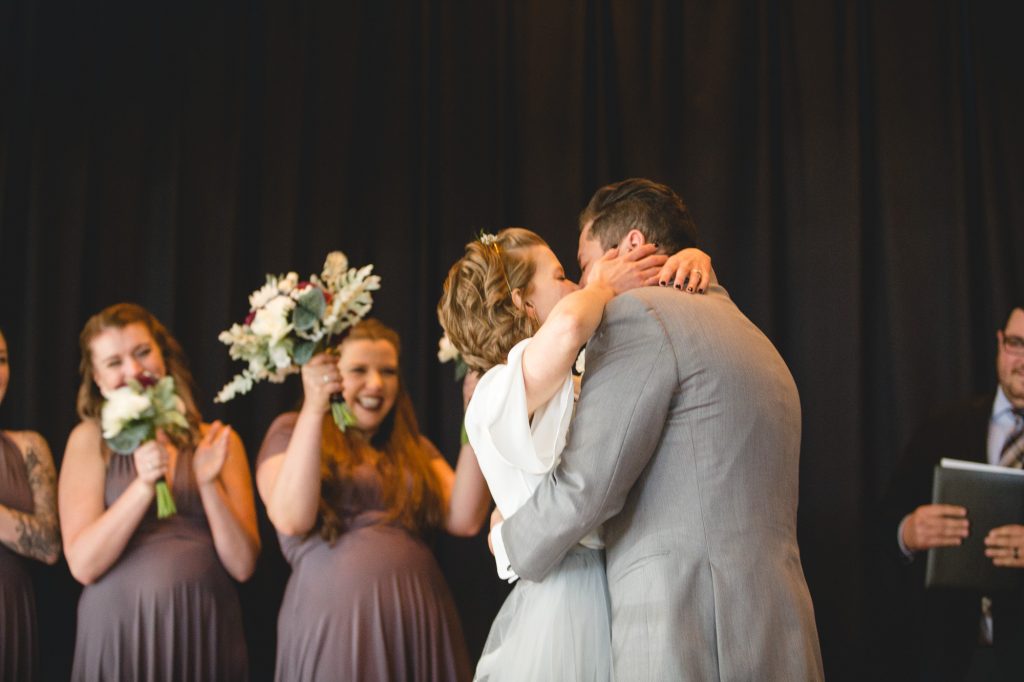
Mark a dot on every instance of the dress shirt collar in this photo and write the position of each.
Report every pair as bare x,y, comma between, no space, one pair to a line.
1002,410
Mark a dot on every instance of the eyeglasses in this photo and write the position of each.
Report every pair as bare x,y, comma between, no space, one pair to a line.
1013,345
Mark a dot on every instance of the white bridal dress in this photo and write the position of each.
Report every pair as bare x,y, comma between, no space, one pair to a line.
556,629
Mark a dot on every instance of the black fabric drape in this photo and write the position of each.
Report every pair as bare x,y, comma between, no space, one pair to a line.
855,168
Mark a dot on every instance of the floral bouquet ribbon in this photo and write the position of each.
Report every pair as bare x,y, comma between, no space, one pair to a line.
290,321
132,414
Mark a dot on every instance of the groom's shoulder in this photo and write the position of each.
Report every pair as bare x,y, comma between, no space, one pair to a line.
665,302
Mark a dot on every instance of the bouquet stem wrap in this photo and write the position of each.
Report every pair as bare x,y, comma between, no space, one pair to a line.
342,413
164,500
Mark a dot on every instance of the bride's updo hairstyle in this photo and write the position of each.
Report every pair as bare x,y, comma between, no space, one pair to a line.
476,309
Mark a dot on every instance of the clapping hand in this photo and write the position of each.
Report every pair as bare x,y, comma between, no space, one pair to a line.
211,453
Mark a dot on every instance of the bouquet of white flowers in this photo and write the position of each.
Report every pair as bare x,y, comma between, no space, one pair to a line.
446,352
290,321
131,416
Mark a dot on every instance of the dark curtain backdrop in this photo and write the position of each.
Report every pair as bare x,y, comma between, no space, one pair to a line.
855,168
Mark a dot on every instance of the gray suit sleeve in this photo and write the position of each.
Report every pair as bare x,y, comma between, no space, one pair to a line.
628,386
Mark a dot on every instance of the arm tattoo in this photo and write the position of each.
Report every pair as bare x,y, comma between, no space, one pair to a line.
38,533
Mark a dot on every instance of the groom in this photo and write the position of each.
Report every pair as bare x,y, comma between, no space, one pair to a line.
685,445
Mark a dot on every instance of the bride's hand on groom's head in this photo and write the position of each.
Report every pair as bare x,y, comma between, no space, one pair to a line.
688,270
622,271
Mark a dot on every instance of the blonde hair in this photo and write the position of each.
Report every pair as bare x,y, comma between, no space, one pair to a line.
476,308
119,316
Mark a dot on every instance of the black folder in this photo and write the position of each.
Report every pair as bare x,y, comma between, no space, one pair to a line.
993,496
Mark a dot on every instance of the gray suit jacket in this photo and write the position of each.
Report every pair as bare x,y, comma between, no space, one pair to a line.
685,444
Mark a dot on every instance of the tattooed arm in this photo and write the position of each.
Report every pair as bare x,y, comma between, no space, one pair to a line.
35,535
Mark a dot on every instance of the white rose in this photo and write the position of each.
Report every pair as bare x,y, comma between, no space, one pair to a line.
272,320
122,406
298,291
445,350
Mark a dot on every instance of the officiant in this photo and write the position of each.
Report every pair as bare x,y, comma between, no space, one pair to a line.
951,634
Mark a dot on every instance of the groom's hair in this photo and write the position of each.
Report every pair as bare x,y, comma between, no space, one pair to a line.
641,204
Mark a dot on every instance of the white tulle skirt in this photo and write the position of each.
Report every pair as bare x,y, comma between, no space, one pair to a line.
558,629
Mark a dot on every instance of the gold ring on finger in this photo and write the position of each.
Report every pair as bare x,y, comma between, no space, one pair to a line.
1016,552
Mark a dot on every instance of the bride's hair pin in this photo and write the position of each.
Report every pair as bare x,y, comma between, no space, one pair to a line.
491,240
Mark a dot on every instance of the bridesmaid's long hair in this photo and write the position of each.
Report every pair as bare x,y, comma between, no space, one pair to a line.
411,490
118,316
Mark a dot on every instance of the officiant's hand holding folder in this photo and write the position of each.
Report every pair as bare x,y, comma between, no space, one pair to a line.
993,497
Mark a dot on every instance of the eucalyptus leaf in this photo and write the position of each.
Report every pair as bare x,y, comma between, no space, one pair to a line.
309,309
130,438
303,351
164,389
461,368
172,418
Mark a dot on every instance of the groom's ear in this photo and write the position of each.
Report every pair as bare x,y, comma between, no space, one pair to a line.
633,239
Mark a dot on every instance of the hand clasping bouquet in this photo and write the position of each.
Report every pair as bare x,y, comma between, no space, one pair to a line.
290,321
131,416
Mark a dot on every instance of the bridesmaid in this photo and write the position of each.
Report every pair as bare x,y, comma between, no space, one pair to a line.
28,529
366,599
159,603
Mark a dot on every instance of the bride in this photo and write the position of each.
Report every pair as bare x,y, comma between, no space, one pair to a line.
511,312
